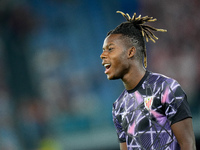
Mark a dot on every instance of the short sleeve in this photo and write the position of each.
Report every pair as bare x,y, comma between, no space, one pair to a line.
183,112
120,132
175,102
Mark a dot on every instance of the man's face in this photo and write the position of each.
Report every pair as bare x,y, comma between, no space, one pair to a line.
114,57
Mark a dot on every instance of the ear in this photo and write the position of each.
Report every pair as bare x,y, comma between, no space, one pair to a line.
131,52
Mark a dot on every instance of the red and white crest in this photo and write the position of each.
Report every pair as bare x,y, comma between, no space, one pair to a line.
148,102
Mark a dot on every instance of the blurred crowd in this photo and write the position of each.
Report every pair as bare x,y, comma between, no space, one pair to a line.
52,83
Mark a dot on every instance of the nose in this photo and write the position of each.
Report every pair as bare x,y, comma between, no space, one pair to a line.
102,56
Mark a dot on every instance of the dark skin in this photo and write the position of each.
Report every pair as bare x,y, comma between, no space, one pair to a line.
130,71
121,62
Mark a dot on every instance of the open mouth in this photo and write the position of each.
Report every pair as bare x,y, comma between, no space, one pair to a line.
107,66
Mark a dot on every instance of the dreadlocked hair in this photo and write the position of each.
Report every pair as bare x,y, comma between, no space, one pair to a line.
135,29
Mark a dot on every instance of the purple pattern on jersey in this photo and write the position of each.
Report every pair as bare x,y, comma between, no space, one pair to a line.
143,117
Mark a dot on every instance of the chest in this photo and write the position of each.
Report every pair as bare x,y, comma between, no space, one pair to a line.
137,111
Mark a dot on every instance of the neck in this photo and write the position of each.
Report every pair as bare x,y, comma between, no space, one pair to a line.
131,79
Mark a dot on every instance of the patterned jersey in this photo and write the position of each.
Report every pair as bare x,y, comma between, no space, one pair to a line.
143,116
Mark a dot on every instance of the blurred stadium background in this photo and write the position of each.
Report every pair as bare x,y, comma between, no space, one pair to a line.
53,91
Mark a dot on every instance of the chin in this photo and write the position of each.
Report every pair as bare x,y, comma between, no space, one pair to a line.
112,77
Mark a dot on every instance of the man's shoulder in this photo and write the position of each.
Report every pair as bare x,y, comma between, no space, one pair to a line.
154,80
159,78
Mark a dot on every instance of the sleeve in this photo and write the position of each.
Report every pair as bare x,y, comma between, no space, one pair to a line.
120,132
183,112
175,103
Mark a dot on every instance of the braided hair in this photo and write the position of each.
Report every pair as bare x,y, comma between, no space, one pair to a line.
136,31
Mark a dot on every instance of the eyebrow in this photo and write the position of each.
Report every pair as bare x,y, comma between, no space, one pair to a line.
108,45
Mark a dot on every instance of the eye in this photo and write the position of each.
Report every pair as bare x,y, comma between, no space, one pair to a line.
109,49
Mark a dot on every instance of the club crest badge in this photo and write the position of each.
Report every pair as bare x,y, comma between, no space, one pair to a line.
148,102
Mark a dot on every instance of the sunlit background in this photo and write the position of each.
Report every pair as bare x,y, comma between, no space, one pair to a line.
54,94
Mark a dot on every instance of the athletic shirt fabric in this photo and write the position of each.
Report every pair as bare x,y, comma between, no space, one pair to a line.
143,116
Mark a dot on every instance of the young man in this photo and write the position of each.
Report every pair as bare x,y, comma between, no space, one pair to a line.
152,113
